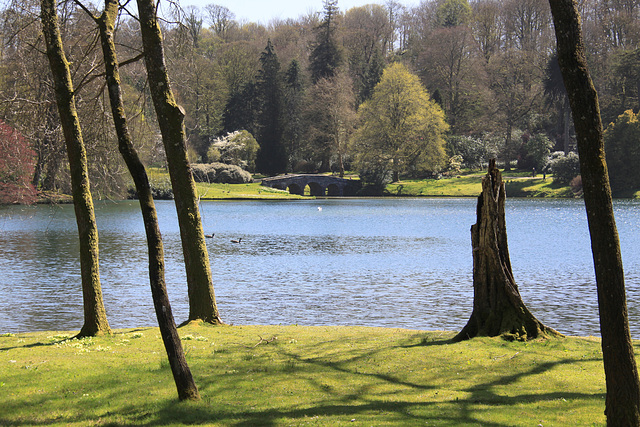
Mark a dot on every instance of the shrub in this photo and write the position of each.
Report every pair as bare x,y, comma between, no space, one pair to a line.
238,148
622,147
534,152
564,168
220,173
159,191
374,180
474,151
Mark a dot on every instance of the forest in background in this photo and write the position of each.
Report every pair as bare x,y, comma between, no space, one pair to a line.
303,90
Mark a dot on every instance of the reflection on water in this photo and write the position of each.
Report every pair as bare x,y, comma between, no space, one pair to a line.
378,262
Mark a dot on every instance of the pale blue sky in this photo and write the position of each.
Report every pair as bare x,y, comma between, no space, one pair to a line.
263,11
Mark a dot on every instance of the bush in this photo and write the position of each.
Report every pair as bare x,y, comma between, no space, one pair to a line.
564,168
236,148
162,191
622,148
534,152
374,180
220,173
474,151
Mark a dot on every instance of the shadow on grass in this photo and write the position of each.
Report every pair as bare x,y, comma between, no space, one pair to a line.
516,188
227,397
365,405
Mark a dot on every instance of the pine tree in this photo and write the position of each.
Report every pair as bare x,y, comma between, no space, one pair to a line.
271,158
326,55
293,100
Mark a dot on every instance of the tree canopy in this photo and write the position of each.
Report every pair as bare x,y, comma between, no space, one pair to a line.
401,129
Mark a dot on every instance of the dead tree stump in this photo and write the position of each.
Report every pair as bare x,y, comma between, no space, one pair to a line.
498,309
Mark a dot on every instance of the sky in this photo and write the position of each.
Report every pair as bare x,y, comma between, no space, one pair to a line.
263,11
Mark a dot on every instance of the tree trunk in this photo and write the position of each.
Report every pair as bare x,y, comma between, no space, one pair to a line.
183,379
202,301
498,308
95,317
623,388
565,130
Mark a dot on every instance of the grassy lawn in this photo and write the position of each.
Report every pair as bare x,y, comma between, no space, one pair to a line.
518,184
242,191
292,376
160,178
469,185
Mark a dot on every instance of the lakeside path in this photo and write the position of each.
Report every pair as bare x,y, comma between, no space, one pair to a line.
295,375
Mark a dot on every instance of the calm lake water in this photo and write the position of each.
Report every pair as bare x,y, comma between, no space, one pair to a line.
376,262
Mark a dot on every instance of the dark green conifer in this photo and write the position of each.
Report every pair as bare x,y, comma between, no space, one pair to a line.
271,158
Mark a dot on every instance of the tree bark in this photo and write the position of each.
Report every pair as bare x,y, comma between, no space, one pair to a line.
622,405
95,317
498,309
202,301
183,379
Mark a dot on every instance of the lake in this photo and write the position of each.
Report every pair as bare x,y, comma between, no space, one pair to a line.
376,262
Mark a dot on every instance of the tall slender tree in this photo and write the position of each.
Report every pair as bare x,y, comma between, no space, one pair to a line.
202,301
181,373
326,55
95,317
272,158
293,126
622,404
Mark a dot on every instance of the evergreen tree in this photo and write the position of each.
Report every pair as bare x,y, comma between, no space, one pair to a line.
241,110
293,100
326,55
372,76
271,158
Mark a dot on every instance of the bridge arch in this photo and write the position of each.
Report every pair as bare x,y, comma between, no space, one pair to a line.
334,190
295,189
315,189
319,185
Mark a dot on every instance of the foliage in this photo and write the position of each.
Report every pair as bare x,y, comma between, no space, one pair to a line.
564,167
220,173
475,151
331,117
235,148
401,129
374,180
534,152
622,147
451,13
323,375
17,161
271,158
326,55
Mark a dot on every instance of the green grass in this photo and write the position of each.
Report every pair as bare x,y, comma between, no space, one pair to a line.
321,376
470,185
160,178
242,191
518,184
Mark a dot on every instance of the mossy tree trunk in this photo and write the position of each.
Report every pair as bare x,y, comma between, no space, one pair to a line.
498,308
623,388
183,379
95,317
202,302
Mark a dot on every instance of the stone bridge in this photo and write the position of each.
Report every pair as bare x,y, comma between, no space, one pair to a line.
319,185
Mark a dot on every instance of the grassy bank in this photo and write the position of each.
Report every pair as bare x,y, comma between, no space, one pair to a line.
470,185
291,375
466,185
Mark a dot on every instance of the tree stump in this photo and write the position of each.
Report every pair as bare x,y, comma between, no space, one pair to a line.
498,309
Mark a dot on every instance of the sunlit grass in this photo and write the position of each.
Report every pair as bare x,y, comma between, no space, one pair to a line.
242,191
291,375
470,185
